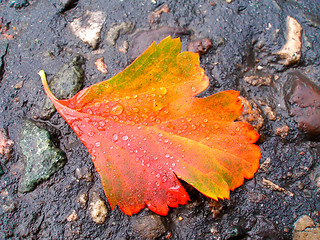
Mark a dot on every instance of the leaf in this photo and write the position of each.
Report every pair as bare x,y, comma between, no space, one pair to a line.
145,129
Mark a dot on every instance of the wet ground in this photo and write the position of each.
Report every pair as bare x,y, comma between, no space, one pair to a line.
245,36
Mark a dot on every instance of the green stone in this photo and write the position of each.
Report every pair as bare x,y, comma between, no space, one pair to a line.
42,158
64,84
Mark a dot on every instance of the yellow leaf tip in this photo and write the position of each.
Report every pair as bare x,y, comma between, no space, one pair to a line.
42,74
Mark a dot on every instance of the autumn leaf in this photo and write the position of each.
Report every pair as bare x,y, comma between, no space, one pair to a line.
145,129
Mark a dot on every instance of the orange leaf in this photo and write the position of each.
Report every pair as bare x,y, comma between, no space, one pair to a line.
144,129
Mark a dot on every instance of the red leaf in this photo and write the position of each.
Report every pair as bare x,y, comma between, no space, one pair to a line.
144,129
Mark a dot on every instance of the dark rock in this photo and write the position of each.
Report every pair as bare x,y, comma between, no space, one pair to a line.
303,102
148,226
42,158
64,84
3,52
200,46
235,232
264,229
18,3
64,5
143,39
1,171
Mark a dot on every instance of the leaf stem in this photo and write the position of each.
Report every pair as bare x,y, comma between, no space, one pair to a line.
45,85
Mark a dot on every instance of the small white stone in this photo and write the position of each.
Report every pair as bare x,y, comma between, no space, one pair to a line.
73,216
82,199
259,68
88,27
98,209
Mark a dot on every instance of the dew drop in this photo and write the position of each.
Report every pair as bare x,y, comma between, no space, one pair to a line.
102,123
158,121
135,96
93,157
97,144
205,120
166,140
173,164
89,111
115,137
163,90
135,110
160,134
90,134
158,175
164,179
125,138
167,155
117,109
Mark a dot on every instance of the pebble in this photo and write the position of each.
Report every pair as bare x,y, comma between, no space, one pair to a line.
291,51
124,47
155,16
43,159
101,66
98,209
73,216
84,173
251,114
6,145
149,226
282,131
262,79
83,199
302,99
200,46
64,84
1,171
113,33
88,27
305,229
269,112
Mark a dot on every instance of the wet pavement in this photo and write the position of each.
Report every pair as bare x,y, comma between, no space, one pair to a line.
281,94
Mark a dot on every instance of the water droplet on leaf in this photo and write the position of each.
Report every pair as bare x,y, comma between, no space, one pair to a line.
117,109
115,137
163,90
